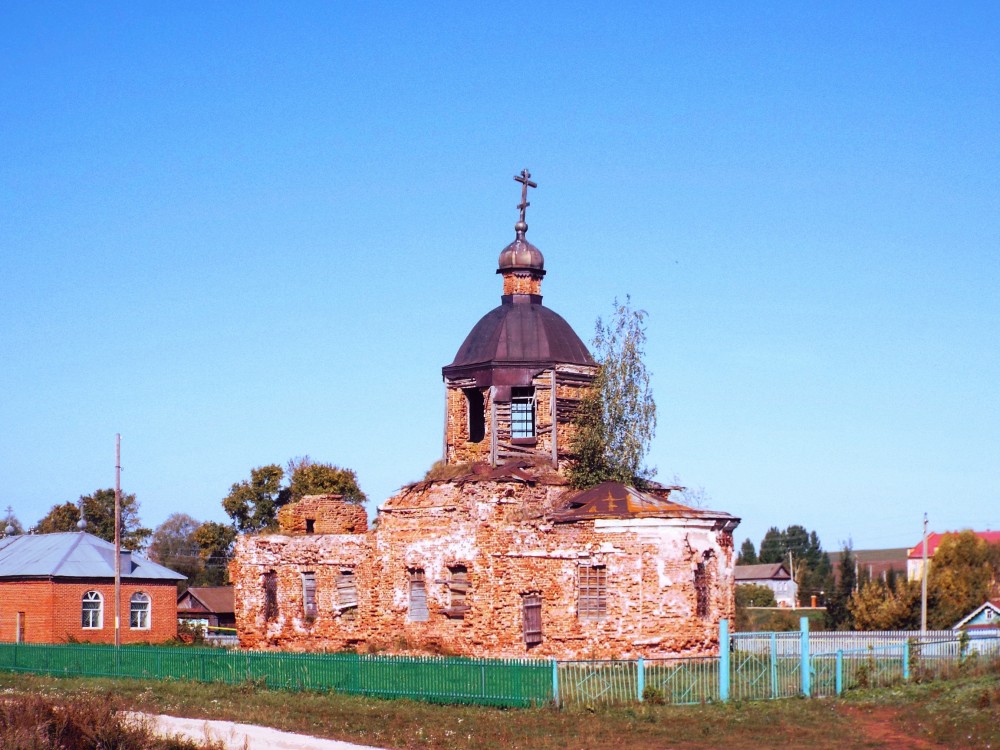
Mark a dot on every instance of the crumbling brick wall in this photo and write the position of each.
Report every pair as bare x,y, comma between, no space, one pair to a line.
500,532
322,514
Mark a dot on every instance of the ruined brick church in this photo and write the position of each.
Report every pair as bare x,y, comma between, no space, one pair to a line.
504,558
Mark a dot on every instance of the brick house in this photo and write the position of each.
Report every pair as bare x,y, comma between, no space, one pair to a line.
59,587
504,558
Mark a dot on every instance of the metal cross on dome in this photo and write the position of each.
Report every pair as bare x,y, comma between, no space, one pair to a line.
525,179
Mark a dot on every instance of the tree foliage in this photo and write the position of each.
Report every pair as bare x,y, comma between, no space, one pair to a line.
754,595
99,512
885,605
174,546
215,545
963,572
310,478
748,554
811,565
616,422
838,614
253,504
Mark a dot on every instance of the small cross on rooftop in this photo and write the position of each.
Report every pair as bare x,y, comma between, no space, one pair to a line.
525,179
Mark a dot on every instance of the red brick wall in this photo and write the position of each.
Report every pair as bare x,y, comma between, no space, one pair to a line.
52,610
329,513
499,531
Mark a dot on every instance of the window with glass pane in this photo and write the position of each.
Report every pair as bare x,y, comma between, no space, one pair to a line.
139,612
93,611
522,413
592,592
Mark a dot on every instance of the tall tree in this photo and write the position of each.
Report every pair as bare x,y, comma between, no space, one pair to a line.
774,546
879,605
173,545
215,544
310,478
253,504
617,421
99,512
961,577
838,615
748,554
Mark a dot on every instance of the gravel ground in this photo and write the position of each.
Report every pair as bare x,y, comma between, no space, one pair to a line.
243,736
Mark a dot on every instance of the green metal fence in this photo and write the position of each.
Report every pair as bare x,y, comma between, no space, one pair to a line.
757,666
499,682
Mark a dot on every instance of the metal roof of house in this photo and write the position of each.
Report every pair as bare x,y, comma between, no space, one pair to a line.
761,572
73,555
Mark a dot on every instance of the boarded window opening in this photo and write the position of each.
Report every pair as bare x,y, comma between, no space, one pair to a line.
309,594
347,594
592,592
458,588
418,595
20,627
522,413
477,414
270,595
701,589
532,608
310,525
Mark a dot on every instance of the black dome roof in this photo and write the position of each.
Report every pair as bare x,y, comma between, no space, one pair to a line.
521,332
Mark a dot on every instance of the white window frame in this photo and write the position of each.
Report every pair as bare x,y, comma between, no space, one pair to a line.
148,610
92,596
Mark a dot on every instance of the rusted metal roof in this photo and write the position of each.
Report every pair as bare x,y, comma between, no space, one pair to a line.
520,333
617,500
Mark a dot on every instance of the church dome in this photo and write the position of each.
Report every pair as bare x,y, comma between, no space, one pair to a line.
521,332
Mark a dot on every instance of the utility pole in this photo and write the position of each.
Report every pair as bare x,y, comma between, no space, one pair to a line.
118,539
923,585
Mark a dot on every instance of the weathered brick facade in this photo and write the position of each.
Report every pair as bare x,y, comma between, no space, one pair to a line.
502,530
505,560
50,610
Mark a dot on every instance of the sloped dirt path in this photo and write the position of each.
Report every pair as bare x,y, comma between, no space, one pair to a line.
883,727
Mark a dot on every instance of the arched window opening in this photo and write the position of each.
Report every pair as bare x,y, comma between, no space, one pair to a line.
92,611
138,618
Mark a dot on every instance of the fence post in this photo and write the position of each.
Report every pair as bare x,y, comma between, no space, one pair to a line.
555,682
774,665
906,660
840,672
804,655
724,660
640,678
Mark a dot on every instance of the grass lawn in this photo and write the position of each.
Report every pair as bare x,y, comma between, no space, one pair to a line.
960,713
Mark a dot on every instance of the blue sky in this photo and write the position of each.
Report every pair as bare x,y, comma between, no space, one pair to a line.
238,233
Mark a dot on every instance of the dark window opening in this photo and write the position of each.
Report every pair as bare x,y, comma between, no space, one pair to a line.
701,589
418,595
592,592
522,413
309,594
270,595
477,414
532,608
310,525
